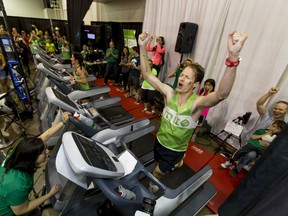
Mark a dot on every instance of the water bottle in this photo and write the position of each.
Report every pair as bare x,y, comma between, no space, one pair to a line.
85,120
125,193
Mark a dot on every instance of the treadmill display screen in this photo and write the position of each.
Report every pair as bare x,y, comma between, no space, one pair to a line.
93,154
64,98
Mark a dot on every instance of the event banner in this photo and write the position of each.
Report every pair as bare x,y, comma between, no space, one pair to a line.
129,38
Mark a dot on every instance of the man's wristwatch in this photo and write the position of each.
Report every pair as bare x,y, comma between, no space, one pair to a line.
231,63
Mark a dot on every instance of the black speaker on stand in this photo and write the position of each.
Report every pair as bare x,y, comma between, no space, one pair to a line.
185,38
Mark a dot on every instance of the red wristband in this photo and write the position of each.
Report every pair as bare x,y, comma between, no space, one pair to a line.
230,63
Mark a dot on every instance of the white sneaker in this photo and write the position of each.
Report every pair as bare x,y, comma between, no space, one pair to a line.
153,188
226,164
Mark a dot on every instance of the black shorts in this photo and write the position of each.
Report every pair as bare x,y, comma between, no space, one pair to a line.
167,159
147,96
134,81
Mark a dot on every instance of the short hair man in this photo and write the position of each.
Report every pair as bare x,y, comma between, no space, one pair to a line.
183,107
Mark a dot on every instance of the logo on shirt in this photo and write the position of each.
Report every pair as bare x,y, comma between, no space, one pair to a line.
134,62
182,121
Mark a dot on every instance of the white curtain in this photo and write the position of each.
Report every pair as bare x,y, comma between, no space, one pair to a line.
264,56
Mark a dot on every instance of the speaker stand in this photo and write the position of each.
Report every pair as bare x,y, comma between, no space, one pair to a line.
181,58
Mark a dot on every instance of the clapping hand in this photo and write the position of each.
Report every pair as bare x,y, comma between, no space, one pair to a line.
144,38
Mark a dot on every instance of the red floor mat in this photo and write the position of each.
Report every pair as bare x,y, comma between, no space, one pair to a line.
130,105
223,182
196,157
100,81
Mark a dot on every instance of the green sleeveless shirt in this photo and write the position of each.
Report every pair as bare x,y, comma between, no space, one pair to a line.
83,86
177,125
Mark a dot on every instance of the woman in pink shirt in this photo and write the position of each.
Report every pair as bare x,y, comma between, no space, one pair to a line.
158,52
209,86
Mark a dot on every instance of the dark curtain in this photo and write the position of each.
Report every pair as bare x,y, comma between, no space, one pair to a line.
76,11
114,31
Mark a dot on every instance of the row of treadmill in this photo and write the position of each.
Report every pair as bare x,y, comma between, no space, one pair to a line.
91,163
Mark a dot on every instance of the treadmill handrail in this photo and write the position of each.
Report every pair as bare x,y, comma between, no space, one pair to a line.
87,130
107,187
103,103
109,133
181,193
50,72
133,135
80,94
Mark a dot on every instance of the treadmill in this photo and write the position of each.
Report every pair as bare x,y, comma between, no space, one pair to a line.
84,164
110,108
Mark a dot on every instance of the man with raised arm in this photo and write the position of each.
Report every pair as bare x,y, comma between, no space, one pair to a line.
266,115
183,107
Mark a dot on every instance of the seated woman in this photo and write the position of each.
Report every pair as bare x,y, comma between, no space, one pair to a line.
80,75
16,174
255,147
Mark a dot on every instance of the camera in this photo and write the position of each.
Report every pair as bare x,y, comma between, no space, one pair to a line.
182,65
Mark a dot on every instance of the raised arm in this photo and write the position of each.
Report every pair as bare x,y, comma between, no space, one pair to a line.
148,47
261,106
236,41
173,72
144,38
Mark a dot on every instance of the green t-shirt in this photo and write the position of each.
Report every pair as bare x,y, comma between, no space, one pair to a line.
177,125
15,187
42,42
146,84
50,47
111,59
255,142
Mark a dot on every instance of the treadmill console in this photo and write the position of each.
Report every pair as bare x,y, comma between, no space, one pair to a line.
64,98
88,158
